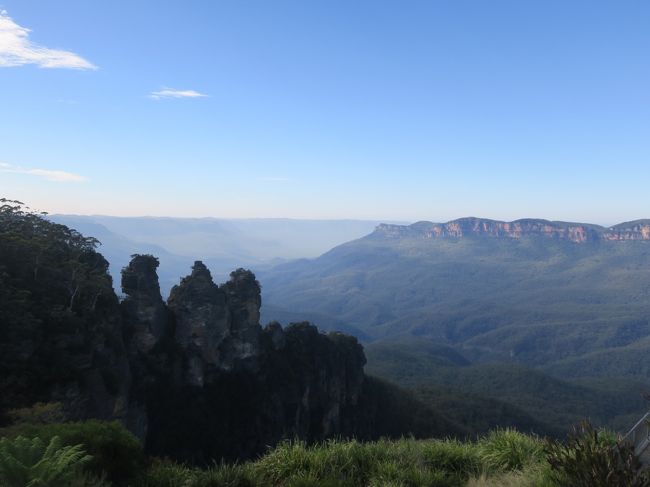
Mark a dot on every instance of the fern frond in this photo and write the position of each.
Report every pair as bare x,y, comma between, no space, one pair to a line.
29,463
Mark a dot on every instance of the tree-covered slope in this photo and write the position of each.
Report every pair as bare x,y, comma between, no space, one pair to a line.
443,378
556,327
60,328
533,299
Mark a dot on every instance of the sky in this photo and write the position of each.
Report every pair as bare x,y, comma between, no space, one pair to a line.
397,110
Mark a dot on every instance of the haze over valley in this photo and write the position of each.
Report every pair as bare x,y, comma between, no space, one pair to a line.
224,244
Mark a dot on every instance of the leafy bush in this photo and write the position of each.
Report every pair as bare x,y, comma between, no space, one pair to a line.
114,450
391,473
507,449
590,459
165,473
26,462
224,475
534,475
461,459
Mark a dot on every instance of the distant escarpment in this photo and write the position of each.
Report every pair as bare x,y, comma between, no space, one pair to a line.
467,227
196,377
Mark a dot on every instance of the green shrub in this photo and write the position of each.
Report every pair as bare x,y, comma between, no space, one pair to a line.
461,459
590,459
288,459
534,475
114,450
224,475
348,461
30,462
391,473
165,473
507,449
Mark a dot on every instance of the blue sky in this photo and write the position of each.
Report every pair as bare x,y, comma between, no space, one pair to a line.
328,109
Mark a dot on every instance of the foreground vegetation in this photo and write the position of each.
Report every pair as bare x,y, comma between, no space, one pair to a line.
100,454
501,458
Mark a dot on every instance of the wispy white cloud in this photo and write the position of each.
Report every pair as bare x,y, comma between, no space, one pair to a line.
172,93
56,176
16,49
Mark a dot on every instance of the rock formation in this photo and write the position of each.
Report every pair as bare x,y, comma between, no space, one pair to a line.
144,311
203,322
217,328
214,384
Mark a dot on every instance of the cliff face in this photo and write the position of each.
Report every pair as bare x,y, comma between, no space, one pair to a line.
326,379
636,230
478,227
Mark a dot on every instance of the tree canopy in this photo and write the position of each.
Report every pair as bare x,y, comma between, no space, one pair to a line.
52,283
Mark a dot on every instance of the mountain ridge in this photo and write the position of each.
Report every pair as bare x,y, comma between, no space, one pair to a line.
516,229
